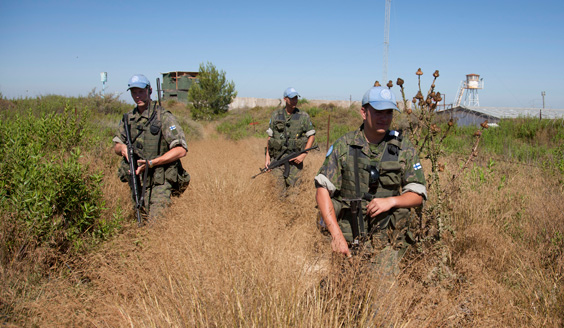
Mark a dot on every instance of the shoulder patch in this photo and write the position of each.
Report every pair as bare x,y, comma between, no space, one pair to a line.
417,166
394,133
329,151
172,127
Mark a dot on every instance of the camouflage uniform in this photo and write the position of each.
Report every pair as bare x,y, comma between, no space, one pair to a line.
152,138
288,133
400,174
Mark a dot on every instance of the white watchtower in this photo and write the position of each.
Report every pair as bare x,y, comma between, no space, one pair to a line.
472,84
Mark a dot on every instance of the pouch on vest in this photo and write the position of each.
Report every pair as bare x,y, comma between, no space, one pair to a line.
158,177
275,145
123,170
182,182
295,144
279,126
390,174
401,218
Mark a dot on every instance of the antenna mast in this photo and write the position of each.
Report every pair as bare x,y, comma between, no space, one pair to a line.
386,41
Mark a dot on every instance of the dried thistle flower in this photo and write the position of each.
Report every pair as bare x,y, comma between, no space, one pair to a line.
419,95
441,167
450,122
419,71
376,84
409,111
436,74
485,124
433,106
414,100
477,133
429,101
399,82
390,84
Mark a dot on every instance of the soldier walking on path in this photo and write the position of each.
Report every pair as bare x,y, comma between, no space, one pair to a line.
370,179
158,144
290,130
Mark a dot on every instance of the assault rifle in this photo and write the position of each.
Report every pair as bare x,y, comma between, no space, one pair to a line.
134,182
159,90
357,224
284,161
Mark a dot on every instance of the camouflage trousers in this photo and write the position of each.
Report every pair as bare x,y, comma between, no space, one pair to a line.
157,198
290,181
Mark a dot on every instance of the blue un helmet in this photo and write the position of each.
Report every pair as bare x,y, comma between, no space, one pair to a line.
138,81
380,99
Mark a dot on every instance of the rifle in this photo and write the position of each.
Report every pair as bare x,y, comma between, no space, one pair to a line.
134,182
284,161
159,91
357,225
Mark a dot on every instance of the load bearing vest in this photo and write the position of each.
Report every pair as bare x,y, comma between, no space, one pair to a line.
288,134
388,184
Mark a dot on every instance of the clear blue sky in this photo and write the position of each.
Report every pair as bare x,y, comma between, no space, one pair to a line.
325,49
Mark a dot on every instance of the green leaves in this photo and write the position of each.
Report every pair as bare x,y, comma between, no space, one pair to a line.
46,192
211,96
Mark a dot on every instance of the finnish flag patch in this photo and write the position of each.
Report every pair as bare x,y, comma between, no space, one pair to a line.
173,127
394,133
417,166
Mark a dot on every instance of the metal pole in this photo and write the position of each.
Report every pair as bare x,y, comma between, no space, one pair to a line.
328,129
386,41
542,94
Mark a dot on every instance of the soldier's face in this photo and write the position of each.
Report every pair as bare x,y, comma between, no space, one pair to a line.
141,97
377,120
291,103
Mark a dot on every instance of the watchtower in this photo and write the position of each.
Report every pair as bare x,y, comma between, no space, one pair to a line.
472,84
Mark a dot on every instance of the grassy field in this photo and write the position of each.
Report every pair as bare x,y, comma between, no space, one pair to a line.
232,252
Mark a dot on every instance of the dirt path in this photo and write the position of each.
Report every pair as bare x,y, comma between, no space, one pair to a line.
224,235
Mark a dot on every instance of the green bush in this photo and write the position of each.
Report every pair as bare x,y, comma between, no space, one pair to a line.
47,196
211,96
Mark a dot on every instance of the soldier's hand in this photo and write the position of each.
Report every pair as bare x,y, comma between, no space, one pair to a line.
379,205
267,162
124,151
299,159
141,164
339,245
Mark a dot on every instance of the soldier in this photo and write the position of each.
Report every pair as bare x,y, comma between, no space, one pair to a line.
289,130
158,142
367,183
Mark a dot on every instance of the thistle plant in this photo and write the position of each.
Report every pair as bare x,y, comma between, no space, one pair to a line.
428,135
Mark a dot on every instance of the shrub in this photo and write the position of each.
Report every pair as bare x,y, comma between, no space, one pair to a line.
47,196
211,96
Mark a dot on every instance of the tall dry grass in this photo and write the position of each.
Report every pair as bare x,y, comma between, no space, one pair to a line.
232,252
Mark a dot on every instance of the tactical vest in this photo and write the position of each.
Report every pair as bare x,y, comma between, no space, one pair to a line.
148,143
288,134
386,184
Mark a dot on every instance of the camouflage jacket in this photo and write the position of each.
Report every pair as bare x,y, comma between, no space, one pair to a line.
153,138
288,132
331,172
337,176
172,133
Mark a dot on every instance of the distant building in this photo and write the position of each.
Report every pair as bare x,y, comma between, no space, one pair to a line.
475,115
175,85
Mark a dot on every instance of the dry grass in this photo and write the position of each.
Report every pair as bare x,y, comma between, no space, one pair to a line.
232,252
